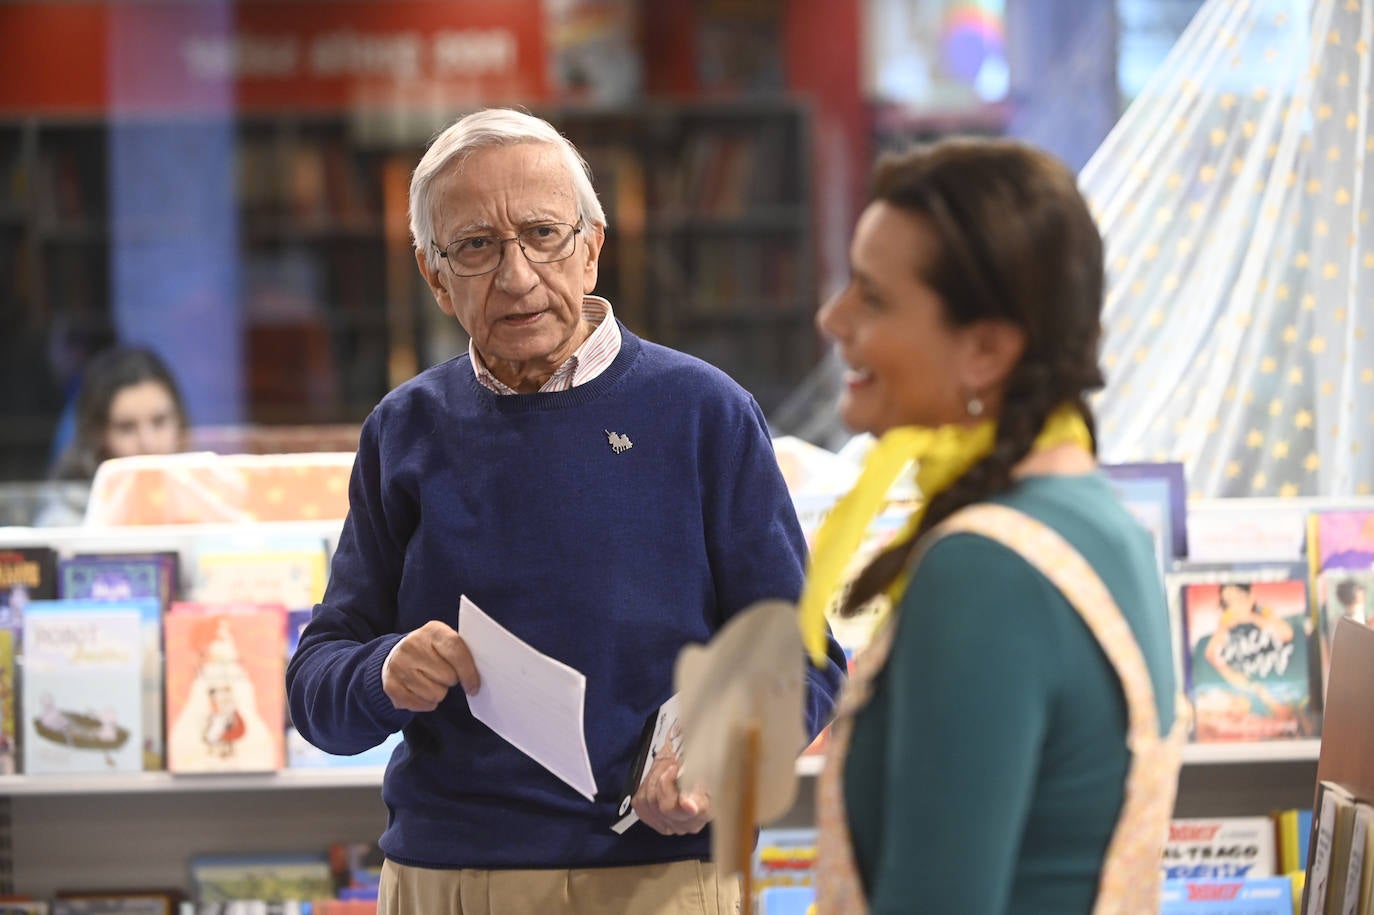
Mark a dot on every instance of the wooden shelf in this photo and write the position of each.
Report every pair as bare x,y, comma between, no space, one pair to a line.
328,231
370,777
1194,754
746,312
1273,751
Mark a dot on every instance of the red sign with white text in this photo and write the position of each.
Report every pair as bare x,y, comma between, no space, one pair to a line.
163,56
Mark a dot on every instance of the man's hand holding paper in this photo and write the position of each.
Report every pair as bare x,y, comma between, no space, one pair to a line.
665,806
425,665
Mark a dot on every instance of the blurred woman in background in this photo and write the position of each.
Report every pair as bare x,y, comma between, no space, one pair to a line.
129,404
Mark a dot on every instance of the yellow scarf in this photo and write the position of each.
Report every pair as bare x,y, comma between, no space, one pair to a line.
942,455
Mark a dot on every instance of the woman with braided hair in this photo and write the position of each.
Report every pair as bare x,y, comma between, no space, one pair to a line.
1021,690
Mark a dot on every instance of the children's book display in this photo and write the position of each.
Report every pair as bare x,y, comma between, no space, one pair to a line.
210,684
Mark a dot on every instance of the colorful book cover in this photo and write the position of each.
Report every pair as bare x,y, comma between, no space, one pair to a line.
226,691
1228,848
116,577
787,900
1189,572
1342,557
9,742
82,679
268,878
1260,896
288,571
116,903
1149,502
1345,540
26,573
1249,661
1165,486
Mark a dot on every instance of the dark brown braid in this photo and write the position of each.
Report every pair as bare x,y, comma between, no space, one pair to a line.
1017,244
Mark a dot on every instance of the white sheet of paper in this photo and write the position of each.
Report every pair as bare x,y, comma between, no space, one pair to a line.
532,700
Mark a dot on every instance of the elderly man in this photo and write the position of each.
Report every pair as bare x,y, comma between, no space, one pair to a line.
605,499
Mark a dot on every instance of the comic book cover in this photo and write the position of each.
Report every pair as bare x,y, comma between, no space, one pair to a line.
1249,658
226,690
1231,848
26,573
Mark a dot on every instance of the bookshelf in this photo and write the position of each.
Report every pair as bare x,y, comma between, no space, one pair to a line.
298,221
137,829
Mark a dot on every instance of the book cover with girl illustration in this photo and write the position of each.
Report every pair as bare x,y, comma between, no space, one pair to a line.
226,692
1250,659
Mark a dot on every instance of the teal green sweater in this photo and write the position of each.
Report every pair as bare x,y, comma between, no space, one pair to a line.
988,771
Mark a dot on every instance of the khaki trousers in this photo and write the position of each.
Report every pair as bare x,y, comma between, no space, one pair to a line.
675,888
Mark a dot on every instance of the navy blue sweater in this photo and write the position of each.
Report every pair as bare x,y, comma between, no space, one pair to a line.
607,558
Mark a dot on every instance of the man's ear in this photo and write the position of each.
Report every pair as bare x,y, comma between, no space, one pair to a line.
992,350
435,284
594,236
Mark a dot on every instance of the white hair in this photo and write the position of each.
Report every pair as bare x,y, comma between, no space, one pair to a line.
492,127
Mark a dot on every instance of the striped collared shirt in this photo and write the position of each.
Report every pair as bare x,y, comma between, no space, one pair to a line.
592,358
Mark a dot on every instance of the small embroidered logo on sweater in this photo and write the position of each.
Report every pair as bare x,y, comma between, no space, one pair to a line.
618,442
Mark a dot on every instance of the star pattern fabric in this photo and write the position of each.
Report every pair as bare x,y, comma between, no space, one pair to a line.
1235,198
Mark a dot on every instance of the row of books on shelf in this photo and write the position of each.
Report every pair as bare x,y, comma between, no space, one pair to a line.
312,181
744,274
726,173
309,182
340,880
1217,866
1252,638
108,665
1254,596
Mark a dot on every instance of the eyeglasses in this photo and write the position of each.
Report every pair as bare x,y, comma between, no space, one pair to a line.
545,243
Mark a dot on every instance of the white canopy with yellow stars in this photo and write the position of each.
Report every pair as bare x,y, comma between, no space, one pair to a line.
1235,197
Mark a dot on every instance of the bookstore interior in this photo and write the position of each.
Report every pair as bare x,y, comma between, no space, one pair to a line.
223,187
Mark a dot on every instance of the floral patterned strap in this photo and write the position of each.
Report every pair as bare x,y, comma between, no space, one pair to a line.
1130,880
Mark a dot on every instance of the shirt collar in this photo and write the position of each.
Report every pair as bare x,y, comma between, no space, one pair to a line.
605,336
